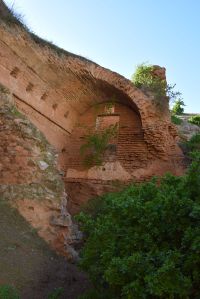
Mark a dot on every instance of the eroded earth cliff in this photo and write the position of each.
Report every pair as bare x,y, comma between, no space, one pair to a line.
30,179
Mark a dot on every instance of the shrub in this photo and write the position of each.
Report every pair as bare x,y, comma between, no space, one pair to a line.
56,294
145,79
175,120
144,242
178,107
195,120
194,143
8,292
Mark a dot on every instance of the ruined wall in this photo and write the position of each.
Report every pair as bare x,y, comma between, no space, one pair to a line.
131,158
30,179
58,90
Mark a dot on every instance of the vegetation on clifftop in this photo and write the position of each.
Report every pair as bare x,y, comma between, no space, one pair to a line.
12,18
145,79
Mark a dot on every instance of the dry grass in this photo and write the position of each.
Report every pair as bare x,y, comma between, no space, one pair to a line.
12,18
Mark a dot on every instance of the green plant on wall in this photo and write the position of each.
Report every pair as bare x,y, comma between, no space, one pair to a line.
95,145
145,79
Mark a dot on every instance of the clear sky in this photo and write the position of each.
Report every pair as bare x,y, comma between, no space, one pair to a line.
120,34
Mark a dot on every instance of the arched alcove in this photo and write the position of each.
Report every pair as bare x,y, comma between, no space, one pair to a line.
129,148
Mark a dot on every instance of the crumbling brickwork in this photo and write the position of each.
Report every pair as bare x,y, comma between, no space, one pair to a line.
60,93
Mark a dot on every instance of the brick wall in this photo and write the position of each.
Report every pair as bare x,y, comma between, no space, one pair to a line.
65,95
131,149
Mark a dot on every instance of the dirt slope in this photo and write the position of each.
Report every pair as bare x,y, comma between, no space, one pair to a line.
27,263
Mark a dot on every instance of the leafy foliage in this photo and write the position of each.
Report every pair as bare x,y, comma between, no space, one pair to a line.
144,242
194,143
175,120
178,107
95,145
195,120
8,292
145,79
56,294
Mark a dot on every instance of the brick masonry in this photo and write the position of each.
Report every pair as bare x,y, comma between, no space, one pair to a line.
63,94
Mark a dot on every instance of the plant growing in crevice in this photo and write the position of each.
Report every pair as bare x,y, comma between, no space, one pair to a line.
145,79
95,145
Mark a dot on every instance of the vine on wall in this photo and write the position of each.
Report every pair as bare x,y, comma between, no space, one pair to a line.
95,145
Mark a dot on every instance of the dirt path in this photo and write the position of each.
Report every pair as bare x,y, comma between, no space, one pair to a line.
27,263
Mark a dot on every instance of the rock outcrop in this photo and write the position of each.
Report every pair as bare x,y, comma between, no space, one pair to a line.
30,179
186,129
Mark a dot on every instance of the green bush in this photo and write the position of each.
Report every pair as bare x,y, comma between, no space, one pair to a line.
8,292
145,79
178,107
56,294
195,120
175,120
194,143
144,242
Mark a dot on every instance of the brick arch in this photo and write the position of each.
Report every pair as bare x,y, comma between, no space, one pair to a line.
100,109
135,97
118,97
105,79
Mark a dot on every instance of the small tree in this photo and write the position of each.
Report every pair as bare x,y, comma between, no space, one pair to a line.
178,107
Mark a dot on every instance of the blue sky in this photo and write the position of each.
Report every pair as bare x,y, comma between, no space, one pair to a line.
120,34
